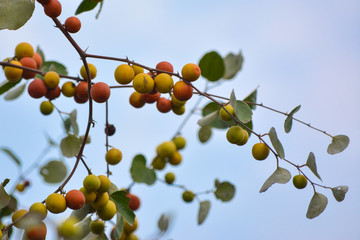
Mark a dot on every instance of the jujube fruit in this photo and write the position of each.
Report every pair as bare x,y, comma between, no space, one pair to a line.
97,227
165,66
166,149
130,228
90,196
92,70
75,199
136,100
191,72
113,156
175,159
224,115
24,49
46,107
188,196
101,200
72,24
53,8
299,181
18,214
100,92
36,232
169,177
163,83
105,183
51,79
150,97
163,105
108,212
53,93
13,74
38,209
134,202
68,89
91,183
235,134
55,203
143,83
124,74
30,63
180,142
260,151
81,90
37,59
182,91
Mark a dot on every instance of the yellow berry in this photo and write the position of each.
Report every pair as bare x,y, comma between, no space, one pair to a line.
108,212
180,142
188,196
164,83
56,203
104,183
97,227
101,200
260,151
13,74
124,74
235,134
130,228
143,83
92,70
68,89
89,196
69,229
169,177
299,181
137,69
38,209
113,156
91,183
224,115
51,79
46,107
18,214
24,49
166,149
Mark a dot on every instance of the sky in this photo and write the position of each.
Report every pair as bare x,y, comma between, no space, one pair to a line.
296,53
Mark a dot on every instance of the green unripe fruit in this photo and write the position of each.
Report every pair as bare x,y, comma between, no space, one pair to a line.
224,115
108,212
38,209
56,203
158,163
124,74
178,110
180,142
235,134
169,178
89,196
105,184
46,107
299,181
68,229
166,149
260,151
188,196
113,156
101,201
97,227
91,183
245,139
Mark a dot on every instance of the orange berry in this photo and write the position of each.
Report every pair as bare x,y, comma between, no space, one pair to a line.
163,105
72,24
75,199
182,91
150,97
37,88
135,100
134,202
36,232
53,93
165,66
37,59
79,100
81,90
191,72
30,63
52,8
100,92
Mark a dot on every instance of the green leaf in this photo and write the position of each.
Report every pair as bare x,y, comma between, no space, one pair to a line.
289,119
203,211
252,98
317,205
9,209
15,92
41,53
54,66
70,146
113,188
81,213
119,227
233,64
5,182
15,13
84,227
281,175
122,204
74,124
217,123
98,13
339,143
7,85
92,236
339,192
276,143
225,191
4,197
312,164
212,66
86,5
208,119
140,173
12,155
163,222
54,171
204,134
243,112
233,101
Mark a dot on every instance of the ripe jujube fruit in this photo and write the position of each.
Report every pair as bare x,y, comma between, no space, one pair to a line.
191,72
150,97
130,228
55,203
165,66
72,24
134,202
37,88
182,91
163,105
100,92
53,8
137,69
260,151
81,90
37,59
92,70
143,83
36,232
175,159
75,199
136,100
30,63
53,93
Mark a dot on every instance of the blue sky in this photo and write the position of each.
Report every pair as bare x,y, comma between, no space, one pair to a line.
295,52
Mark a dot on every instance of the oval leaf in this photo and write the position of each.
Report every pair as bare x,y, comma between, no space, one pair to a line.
6,86
84,228
81,213
339,192
212,66
339,143
289,119
217,123
54,66
122,204
317,205
163,222
15,13
15,92
53,171
204,134
276,143
140,173
243,112
119,227
86,5
70,146
233,64
281,175
208,119
203,211
252,98
225,191
312,164
4,197
233,102
11,155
